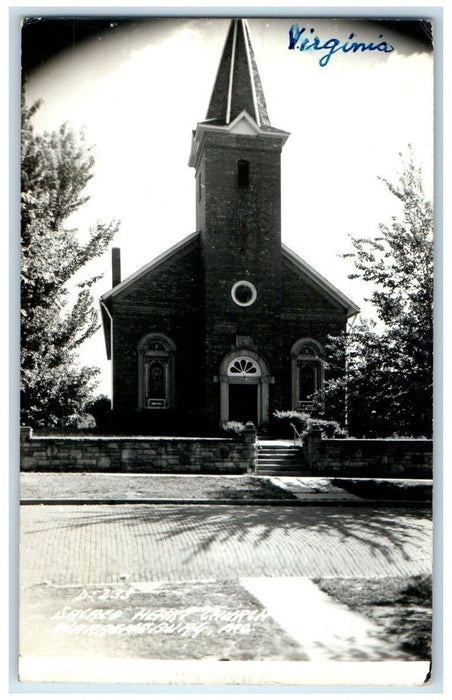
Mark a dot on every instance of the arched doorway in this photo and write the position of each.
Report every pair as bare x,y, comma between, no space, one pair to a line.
244,380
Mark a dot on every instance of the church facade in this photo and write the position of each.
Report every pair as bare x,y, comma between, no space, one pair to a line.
229,324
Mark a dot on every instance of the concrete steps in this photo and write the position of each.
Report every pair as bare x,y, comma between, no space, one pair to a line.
281,460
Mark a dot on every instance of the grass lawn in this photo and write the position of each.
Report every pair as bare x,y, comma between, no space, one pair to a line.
86,486
401,606
388,489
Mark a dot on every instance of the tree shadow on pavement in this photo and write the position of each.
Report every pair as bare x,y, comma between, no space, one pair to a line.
386,532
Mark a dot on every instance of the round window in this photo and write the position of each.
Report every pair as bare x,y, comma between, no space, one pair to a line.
244,293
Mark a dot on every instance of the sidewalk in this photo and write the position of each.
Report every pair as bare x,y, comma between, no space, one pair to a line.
100,488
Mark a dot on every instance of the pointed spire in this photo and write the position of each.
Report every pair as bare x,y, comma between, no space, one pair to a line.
237,86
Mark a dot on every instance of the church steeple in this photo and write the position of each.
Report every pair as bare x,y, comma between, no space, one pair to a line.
237,86
237,105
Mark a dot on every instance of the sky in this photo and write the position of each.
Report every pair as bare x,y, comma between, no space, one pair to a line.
139,91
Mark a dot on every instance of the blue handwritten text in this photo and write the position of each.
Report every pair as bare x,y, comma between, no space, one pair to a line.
331,46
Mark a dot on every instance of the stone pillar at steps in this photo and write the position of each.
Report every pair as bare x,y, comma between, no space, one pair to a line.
250,439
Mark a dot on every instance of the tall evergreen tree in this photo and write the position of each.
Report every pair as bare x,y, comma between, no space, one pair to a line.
55,169
389,378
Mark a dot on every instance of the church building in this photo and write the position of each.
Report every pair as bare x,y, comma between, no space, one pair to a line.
229,324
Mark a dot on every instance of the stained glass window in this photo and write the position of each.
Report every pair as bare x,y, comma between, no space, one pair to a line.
307,373
157,353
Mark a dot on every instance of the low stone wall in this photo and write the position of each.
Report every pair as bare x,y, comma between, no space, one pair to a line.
139,454
409,458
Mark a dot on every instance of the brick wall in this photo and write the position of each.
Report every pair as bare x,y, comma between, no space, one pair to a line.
408,458
150,455
167,300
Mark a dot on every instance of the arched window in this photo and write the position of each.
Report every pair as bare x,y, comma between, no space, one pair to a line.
307,374
156,370
244,366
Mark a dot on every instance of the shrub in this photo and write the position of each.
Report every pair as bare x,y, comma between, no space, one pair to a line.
233,428
100,410
329,428
283,421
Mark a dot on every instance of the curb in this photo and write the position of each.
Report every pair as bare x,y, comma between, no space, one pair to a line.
296,502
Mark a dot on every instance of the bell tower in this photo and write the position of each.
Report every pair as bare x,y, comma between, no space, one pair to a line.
236,155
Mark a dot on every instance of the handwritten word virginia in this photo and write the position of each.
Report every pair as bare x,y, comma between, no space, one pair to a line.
313,43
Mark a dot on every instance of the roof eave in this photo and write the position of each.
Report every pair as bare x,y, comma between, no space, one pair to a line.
159,260
351,308
204,127
106,324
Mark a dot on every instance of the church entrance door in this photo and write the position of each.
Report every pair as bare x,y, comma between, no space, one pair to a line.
244,380
243,402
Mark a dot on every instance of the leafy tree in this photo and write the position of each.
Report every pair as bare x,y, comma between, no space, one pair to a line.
55,169
389,377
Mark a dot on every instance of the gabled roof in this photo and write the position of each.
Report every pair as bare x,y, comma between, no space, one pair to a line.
326,287
107,320
164,257
301,264
238,85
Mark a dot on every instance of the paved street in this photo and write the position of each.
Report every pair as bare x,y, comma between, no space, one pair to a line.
99,544
198,560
